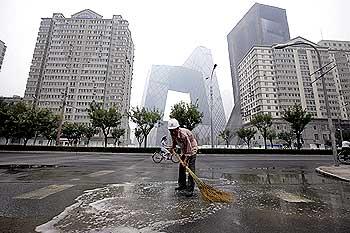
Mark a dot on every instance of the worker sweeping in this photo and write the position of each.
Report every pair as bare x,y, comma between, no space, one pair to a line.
189,147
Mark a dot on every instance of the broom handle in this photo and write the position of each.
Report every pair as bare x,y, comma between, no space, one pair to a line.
188,169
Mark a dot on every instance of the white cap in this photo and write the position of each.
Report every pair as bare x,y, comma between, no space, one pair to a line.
173,124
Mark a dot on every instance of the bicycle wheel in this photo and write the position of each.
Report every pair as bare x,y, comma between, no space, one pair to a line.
174,159
157,157
340,156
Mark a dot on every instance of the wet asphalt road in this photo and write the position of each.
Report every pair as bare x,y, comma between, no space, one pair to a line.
129,193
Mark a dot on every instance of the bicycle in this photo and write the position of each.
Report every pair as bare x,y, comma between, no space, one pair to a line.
342,158
159,156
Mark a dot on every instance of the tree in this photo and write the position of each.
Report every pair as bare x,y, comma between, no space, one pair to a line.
263,123
104,119
145,120
187,115
139,136
298,118
226,135
6,124
271,135
73,132
88,132
117,133
287,137
246,134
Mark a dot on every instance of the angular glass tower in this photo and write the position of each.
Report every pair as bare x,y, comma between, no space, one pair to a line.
261,25
201,60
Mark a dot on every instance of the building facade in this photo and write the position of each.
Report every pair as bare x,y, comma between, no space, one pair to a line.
2,52
201,60
261,25
82,59
273,80
163,78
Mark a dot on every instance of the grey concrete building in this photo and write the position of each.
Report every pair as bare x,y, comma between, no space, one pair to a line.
11,100
82,59
2,52
272,80
261,25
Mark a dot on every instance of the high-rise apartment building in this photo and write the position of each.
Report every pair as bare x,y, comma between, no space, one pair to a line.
81,59
261,25
2,52
271,80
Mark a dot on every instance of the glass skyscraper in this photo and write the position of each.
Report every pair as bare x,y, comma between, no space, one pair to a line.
190,78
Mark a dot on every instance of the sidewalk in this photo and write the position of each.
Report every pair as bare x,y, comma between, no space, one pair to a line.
341,172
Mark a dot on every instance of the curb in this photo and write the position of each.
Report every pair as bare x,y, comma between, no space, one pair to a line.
329,174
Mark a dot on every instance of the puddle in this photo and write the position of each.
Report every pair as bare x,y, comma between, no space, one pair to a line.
141,208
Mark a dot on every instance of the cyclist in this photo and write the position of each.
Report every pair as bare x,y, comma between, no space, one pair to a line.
345,147
165,152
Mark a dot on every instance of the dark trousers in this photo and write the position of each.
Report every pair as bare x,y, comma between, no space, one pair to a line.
182,173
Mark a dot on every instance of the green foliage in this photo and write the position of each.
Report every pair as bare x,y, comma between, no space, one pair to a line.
226,135
117,133
73,132
271,135
188,115
145,120
246,134
287,137
24,121
88,132
262,122
104,119
298,118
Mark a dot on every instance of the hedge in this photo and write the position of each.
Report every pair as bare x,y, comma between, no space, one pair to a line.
153,149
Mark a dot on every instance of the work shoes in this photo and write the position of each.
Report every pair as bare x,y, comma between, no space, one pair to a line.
189,194
180,188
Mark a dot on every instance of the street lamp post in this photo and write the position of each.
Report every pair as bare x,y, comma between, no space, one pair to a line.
329,116
211,107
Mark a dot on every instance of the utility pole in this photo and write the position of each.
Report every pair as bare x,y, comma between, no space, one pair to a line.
211,107
60,123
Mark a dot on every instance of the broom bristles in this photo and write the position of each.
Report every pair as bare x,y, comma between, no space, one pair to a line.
208,193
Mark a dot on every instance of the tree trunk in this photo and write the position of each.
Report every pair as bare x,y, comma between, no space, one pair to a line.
248,144
298,141
106,138
145,145
88,141
48,142
227,143
7,141
36,136
271,143
25,140
265,140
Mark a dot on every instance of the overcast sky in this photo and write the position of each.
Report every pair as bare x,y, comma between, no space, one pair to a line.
164,32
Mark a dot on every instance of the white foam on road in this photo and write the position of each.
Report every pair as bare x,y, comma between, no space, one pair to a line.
44,192
130,208
100,173
291,197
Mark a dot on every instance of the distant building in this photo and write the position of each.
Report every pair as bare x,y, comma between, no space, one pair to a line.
163,78
2,52
273,80
11,100
201,60
261,25
87,59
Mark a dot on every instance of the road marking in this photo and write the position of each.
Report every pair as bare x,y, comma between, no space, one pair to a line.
44,192
291,197
100,173
75,179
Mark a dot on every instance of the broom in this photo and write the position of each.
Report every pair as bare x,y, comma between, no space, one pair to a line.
208,193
